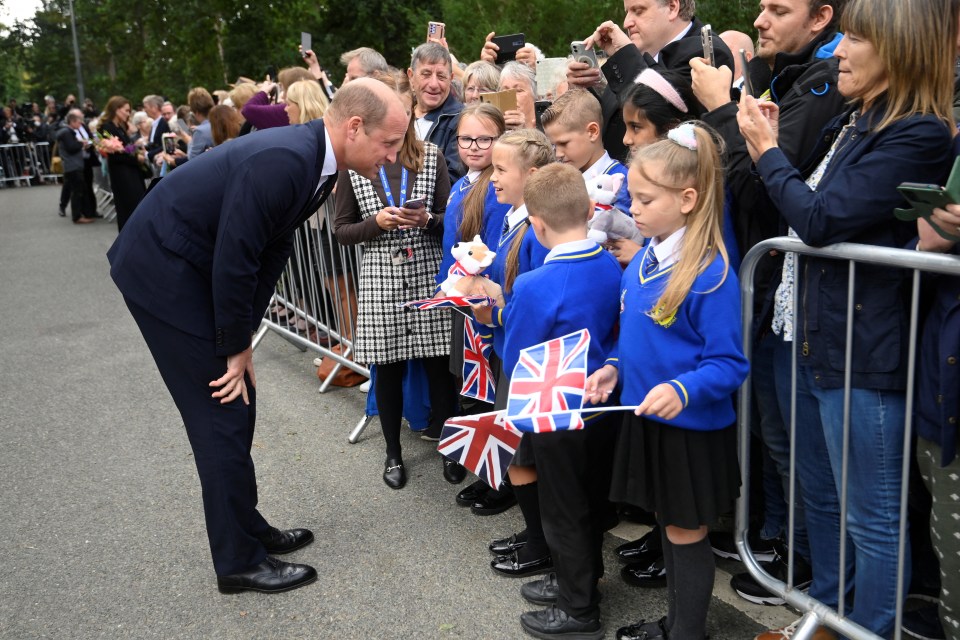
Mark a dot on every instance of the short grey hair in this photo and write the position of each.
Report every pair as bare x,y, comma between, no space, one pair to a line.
156,101
139,117
430,53
73,115
519,71
370,59
487,75
687,8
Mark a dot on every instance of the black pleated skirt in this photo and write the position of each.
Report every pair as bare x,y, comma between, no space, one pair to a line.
688,478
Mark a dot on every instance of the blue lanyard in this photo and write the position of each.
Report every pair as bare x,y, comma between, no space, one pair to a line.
386,186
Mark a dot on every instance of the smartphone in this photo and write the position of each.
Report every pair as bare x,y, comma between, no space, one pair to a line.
306,43
503,100
923,199
509,45
415,203
582,54
706,39
747,83
538,108
169,143
435,30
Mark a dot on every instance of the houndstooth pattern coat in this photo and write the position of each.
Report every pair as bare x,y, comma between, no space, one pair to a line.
385,332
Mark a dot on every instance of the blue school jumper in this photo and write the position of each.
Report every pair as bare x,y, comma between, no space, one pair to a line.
573,290
531,256
490,228
698,350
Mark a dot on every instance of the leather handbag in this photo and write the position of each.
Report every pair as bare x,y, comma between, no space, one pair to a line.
345,377
56,162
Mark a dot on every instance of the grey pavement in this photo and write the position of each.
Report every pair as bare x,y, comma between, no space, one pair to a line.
100,501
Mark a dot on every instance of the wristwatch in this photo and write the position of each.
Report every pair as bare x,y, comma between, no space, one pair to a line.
429,221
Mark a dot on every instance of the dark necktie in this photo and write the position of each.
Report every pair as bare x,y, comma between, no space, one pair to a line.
506,227
652,263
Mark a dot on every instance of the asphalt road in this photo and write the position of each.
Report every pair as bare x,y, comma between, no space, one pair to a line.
100,501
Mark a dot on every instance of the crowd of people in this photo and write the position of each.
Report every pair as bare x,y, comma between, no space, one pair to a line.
808,137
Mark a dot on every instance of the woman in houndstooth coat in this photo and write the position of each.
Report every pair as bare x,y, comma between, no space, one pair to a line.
402,252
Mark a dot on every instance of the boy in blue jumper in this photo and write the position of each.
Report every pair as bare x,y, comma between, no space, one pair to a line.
577,287
573,124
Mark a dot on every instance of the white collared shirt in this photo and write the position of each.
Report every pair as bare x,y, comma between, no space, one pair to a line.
575,246
153,127
677,37
516,216
598,167
473,175
668,251
329,161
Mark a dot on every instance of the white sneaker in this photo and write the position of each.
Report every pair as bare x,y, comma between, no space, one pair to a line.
365,387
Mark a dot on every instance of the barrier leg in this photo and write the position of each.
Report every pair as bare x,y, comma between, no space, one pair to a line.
807,627
357,430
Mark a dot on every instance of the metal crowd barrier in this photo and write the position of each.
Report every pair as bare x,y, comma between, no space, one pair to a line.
21,163
315,303
815,613
16,164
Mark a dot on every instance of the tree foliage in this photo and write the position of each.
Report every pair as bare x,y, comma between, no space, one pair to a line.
169,46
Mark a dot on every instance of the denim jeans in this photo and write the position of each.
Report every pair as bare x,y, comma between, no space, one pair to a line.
770,360
873,493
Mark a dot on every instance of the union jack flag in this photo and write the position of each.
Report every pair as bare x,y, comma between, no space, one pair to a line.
548,384
477,375
482,443
449,301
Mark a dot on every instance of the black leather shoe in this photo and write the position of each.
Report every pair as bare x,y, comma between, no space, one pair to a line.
644,550
511,566
555,623
473,493
493,502
279,542
644,630
645,575
453,472
544,591
394,474
270,576
506,546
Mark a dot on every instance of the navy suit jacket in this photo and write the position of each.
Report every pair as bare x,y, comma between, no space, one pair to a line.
204,249
155,144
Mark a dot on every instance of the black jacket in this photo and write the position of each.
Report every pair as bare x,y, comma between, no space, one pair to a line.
804,86
443,133
623,66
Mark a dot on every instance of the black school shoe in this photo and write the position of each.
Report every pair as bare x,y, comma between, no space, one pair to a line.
644,630
750,590
473,493
512,567
646,549
555,623
493,502
645,575
544,591
506,546
453,472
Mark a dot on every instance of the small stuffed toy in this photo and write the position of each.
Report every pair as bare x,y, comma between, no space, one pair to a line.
608,222
471,259
603,189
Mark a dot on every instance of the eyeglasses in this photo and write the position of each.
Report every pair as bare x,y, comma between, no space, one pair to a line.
483,142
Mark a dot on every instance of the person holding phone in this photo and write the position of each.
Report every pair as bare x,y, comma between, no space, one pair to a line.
661,34
518,77
898,127
398,216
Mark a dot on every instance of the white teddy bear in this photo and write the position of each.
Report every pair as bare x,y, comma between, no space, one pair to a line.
471,258
608,222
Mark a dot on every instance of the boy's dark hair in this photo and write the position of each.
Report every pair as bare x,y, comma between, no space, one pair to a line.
558,195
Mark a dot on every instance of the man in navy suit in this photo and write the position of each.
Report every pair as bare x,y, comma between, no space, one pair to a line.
197,264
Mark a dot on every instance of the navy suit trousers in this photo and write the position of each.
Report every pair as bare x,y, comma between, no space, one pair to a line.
221,436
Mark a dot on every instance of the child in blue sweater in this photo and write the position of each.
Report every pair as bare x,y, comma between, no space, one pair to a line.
577,288
573,123
517,156
679,359
473,208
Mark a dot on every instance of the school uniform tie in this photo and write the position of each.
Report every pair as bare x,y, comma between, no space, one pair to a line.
506,228
652,263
